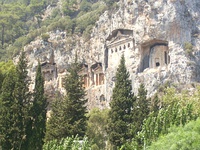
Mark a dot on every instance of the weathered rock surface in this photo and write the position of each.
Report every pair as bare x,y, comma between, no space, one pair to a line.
150,33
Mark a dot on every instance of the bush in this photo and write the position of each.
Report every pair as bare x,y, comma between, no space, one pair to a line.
45,37
96,129
184,138
85,6
68,144
188,48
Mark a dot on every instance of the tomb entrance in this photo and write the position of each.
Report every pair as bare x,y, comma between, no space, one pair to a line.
97,73
154,53
84,73
118,42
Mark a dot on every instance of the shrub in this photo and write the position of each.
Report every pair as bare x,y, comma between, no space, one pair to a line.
45,37
188,48
69,143
183,138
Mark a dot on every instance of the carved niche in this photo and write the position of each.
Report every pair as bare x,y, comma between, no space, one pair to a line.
117,43
84,73
154,53
97,74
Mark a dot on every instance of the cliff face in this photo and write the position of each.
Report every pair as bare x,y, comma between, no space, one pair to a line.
154,36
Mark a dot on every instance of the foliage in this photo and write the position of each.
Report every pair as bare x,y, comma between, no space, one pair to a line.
38,114
175,109
141,109
120,119
15,104
5,67
7,118
76,102
96,129
85,6
155,104
45,37
182,137
21,21
195,99
68,144
188,48
87,19
154,126
56,123
68,117
169,97
22,98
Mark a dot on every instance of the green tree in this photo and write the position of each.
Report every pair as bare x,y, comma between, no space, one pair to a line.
8,130
76,102
3,24
141,109
22,98
121,106
56,123
1,80
71,119
182,137
96,130
38,113
155,104
159,124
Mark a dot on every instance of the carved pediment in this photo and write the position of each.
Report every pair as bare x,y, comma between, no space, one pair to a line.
83,70
119,32
119,38
47,65
98,69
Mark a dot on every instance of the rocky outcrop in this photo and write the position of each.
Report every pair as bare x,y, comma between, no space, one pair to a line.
153,35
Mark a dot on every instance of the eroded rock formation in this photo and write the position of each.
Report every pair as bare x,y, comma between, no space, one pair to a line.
151,34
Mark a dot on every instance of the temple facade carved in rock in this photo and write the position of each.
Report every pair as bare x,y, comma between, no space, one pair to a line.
99,77
119,42
49,69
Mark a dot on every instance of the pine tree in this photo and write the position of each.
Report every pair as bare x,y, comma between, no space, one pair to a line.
121,106
7,117
141,109
56,124
1,80
22,98
38,111
68,116
155,104
76,102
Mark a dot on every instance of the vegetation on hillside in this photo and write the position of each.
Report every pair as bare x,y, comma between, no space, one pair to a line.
181,137
166,121
21,21
20,126
145,123
68,117
120,115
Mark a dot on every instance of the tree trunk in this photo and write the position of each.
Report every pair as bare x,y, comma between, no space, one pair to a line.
2,35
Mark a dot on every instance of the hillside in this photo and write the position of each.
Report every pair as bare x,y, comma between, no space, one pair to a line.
21,21
99,74
160,41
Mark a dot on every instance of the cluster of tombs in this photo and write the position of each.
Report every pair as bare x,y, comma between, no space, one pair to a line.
153,54
92,76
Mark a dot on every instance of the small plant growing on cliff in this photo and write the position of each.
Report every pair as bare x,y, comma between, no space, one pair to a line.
188,48
45,37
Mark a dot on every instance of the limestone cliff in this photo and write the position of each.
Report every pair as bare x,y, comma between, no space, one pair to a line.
153,35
